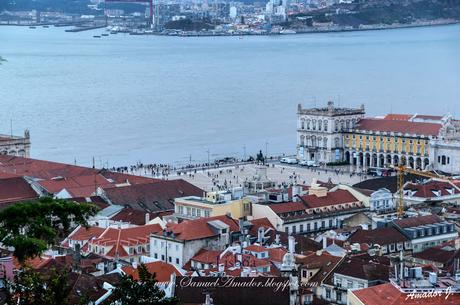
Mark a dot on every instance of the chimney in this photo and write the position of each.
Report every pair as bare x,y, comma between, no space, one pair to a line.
324,242
147,218
296,190
277,239
134,264
291,244
260,235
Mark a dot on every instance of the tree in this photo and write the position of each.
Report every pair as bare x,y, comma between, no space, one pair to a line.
142,292
32,226
32,288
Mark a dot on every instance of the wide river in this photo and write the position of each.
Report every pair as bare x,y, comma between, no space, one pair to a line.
123,99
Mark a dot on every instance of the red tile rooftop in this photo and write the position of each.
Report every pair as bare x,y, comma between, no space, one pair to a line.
388,294
404,127
206,256
332,198
200,228
14,190
255,248
162,270
287,207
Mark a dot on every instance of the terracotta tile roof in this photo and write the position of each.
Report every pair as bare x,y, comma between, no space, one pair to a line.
258,223
425,190
255,248
41,169
200,228
207,256
380,236
405,127
78,186
46,170
276,254
287,207
438,254
417,221
83,233
14,190
388,294
398,117
120,178
162,271
152,197
336,197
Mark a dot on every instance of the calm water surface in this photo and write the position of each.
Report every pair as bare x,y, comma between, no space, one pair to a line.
124,99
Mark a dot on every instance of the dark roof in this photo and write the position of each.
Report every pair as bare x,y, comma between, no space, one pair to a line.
137,217
389,182
152,197
364,266
236,294
417,221
439,254
15,189
321,260
380,236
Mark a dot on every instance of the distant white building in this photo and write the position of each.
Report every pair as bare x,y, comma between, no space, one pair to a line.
15,145
381,201
319,131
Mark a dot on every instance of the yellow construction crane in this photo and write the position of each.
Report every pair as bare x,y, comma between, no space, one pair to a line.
402,170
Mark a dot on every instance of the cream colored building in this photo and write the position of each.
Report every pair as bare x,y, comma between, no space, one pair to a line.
15,145
213,204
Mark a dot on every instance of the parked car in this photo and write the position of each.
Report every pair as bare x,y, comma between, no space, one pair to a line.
289,160
309,163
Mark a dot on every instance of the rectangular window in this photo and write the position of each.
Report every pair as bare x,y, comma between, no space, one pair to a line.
308,227
301,228
177,261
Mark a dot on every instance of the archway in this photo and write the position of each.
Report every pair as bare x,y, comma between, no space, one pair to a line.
418,163
411,163
426,163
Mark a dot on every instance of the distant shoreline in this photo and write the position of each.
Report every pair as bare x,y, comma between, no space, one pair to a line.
179,33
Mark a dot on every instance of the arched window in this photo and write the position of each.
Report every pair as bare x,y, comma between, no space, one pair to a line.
325,142
443,160
308,124
302,124
336,125
325,125
336,142
320,125
313,141
348,124
302,140
314,124
342,125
